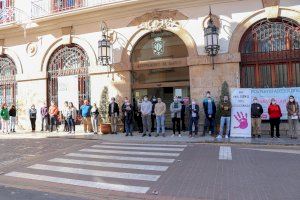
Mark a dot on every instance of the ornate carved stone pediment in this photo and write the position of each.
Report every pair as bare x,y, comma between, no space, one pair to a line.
158,20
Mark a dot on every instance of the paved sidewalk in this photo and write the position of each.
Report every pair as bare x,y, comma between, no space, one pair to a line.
265,140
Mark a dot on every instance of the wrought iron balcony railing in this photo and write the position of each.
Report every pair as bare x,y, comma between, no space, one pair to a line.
42,8
12,15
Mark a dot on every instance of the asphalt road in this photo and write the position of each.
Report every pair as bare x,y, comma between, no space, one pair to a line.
94,169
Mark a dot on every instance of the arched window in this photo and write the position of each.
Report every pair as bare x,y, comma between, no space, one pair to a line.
68,60
7,80
270,52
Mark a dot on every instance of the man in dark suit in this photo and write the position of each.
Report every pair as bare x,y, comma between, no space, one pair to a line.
113,112
194,117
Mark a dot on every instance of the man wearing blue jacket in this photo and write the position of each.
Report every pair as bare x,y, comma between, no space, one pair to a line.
210,113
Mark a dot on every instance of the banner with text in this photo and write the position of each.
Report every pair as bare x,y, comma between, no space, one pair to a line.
67,90
281,95
240,112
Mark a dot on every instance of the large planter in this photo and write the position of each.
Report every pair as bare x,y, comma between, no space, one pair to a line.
105,128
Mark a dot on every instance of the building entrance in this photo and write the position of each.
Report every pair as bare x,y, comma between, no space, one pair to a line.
166,94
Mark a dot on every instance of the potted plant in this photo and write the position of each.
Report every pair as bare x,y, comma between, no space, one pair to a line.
104,103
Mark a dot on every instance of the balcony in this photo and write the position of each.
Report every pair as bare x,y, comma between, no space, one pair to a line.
42,8
9,15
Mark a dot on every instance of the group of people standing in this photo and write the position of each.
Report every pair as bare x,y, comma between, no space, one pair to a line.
8,118
68,117
144,111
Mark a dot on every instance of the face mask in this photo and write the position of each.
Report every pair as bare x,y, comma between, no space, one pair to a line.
175,100
291,100
159,101
208,95
112,101
193,102
255,101
145,99
126,101
273,102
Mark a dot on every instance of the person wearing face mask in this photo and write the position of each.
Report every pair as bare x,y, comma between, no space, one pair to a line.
256,112
293,116
123,108
146,110
160,110
275,115
183,110
32,117
53,112
139,119
210,113
225,117
175,109
194,117
4,118
128,115
154,101
113,113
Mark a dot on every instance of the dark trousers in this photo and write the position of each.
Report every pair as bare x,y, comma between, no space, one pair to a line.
176,122
53,121
71,124
66,125
128,127
45,123
153,117
183,127
32,121
124,124
139,122
274,123
193,121
209,123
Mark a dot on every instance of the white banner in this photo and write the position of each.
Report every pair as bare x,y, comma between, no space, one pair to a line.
240,112
67,90
281,95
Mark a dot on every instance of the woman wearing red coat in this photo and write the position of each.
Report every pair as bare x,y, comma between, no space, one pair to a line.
274,114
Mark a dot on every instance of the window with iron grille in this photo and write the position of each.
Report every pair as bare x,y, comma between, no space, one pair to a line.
7,80
270,52
68,60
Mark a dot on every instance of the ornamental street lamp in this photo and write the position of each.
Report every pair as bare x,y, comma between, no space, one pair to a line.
104,47
211,36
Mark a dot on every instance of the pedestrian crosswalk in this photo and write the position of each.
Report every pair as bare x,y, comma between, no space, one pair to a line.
125,167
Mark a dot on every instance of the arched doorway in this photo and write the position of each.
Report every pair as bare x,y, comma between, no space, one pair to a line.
159,67
8,83
270,52
68,60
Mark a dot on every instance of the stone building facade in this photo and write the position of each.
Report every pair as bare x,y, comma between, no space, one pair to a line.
42,40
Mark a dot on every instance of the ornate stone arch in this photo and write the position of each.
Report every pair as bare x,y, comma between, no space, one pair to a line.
140,32
15,59
85,45
257,16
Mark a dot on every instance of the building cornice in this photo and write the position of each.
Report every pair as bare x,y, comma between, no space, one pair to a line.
97,13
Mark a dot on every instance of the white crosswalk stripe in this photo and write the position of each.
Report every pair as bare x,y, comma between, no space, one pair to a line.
225,153
160,160
137,148
141,144
110,164
110,161
131,152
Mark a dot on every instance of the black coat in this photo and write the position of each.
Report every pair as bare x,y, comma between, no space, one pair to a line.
205,106
128,114
116,109
191,111
256,110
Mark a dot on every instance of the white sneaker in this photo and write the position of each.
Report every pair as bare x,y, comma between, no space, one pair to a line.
219,137
179,135
172,135
226,136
